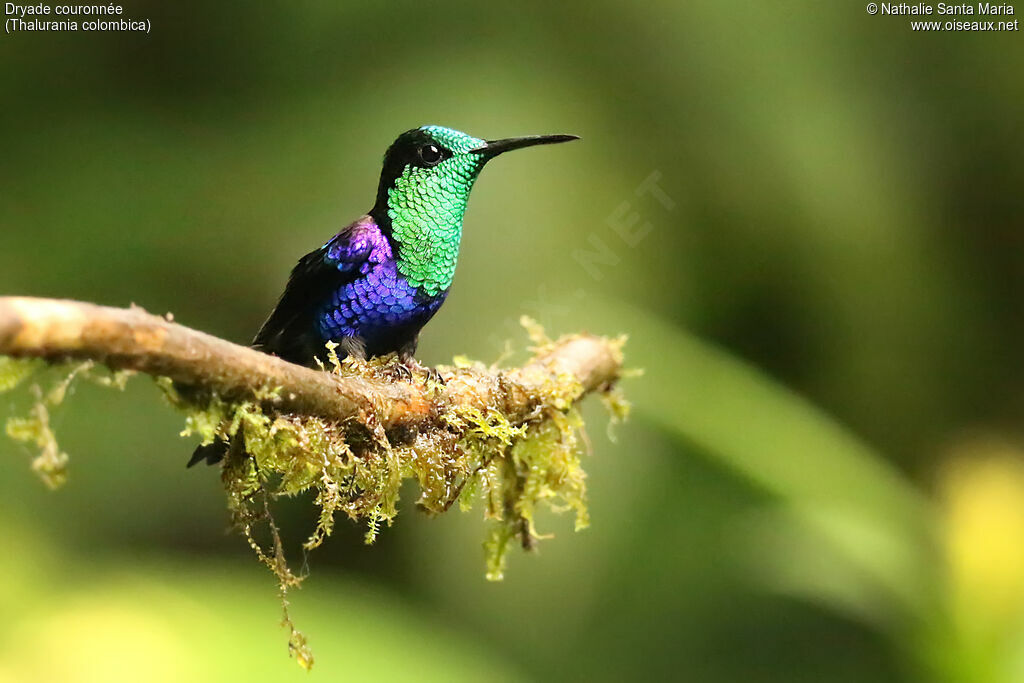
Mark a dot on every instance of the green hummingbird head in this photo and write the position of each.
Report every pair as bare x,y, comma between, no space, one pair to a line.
424,187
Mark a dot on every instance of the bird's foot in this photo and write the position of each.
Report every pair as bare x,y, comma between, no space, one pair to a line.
411,367
435,375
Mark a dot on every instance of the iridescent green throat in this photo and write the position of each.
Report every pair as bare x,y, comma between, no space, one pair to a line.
426,206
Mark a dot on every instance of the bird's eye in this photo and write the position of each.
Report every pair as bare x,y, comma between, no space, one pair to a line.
430,154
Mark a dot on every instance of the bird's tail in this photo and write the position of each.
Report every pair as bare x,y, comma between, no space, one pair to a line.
212,453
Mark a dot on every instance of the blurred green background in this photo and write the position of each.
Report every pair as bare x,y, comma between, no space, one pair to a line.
824,478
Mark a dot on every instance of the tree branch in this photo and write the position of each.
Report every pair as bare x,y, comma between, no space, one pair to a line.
133,339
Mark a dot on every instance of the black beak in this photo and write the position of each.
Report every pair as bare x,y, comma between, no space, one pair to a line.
495,147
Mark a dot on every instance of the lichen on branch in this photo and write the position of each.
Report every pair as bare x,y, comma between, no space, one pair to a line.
467,450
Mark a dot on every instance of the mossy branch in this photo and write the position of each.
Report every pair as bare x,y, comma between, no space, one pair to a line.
351,432
132,339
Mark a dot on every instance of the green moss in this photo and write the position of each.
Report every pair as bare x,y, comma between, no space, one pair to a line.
51,463
34,429
14,371
541,468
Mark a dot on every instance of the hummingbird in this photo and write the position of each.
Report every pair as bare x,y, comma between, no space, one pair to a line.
373,286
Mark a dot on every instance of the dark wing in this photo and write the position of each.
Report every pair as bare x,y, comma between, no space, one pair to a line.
292,330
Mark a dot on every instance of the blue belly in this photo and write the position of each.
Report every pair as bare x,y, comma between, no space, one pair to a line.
381,307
